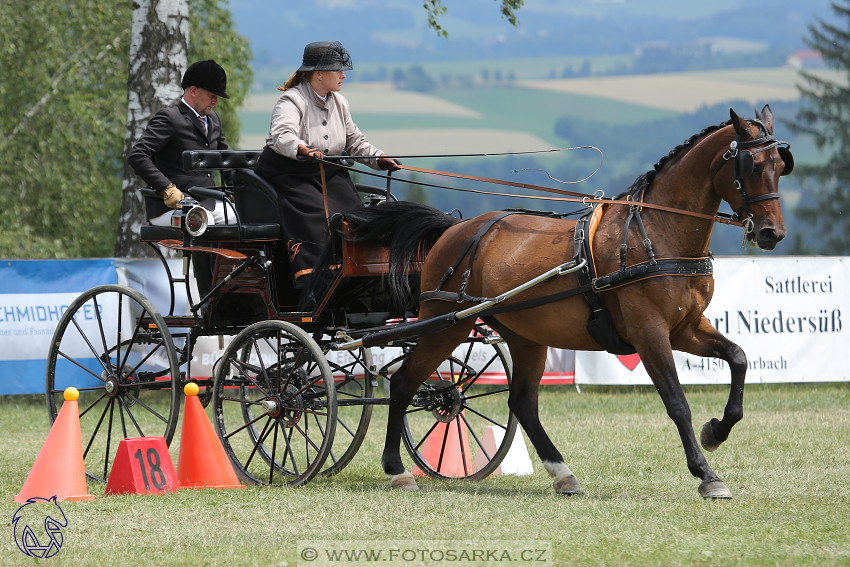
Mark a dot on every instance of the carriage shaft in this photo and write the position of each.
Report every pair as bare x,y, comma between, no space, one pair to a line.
428,326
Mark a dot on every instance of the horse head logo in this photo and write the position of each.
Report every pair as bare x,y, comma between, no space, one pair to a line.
38,527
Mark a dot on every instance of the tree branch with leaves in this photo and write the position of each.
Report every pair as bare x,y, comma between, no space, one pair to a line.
435,10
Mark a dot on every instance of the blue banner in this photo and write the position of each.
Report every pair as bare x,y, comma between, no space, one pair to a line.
33,296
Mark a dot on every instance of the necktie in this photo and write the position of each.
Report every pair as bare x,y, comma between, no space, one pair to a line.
204,122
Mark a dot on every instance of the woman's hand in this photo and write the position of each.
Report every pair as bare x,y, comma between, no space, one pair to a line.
310,152
388,163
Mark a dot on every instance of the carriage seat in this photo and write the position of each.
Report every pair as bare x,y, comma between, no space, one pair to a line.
255,201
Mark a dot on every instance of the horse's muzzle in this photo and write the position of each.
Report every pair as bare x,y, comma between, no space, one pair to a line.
768,237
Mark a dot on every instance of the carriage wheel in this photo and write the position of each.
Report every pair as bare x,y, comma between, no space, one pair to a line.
459,424
274,404
354,377
115,348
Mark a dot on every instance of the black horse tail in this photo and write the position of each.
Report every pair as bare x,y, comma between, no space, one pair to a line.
408,229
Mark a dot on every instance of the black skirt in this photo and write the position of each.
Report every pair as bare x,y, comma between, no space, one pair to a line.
304,217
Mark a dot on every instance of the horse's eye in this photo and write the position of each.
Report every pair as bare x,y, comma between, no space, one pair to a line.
757,169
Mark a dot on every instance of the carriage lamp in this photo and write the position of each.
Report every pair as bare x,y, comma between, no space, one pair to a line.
190,217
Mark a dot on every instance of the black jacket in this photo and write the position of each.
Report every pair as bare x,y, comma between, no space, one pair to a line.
157,156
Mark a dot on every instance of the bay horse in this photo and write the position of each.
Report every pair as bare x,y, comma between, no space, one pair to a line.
662,232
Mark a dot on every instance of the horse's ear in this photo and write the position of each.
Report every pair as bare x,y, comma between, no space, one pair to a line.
766,116
740,124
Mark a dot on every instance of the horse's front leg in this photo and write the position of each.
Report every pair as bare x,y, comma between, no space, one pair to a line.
657,357
403,387
707,341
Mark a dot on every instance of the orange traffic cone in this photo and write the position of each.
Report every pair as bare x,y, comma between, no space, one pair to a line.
59,468
202,462
447,458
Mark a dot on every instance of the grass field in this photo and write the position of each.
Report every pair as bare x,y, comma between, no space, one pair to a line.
787,464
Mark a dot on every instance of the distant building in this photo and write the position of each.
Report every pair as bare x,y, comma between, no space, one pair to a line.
805,59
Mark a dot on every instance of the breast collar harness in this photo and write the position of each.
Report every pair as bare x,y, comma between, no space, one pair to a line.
744,165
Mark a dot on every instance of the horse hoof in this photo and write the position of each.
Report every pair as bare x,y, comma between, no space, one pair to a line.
707,439
568,485
714,489
404,481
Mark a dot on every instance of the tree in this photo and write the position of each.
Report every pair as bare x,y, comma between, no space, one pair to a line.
825,115
63,120
435,10
158,56
60,126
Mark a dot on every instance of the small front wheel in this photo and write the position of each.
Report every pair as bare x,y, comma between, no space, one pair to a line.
459,424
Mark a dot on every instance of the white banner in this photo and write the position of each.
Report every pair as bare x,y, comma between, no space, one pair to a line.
787,313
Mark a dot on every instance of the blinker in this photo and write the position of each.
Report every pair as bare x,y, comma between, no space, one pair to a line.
746,162
788,158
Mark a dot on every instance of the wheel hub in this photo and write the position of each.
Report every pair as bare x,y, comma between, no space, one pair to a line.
446,402
289,407
112,386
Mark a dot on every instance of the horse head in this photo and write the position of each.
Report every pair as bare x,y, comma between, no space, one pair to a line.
759,160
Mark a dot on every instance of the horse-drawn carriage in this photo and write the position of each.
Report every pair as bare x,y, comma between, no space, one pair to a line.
286,405
293,392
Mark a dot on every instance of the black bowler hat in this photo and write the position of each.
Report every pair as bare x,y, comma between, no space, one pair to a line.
325,56
207,75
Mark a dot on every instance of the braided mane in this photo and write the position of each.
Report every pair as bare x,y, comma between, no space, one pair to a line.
647,178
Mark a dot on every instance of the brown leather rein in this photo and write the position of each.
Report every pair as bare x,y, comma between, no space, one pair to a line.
571,196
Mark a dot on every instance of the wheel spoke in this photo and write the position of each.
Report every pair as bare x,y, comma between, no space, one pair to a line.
463,446
106,408
260,439
129,413
91,348
475,436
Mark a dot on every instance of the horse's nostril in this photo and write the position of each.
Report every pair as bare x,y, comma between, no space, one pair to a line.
769,237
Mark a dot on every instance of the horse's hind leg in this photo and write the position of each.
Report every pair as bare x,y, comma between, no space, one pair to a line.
426,356
529,362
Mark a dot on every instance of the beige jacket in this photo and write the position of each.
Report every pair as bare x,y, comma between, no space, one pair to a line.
300,116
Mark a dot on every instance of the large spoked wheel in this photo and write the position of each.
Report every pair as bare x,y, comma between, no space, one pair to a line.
114,347
354,377
459,424
274,403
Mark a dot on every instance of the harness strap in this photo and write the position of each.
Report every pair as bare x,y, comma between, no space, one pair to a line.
632,274
599,324
471,247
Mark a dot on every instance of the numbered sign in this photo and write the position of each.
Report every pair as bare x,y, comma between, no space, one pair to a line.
142,466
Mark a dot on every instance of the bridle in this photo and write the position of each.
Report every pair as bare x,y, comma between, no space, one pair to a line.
744,164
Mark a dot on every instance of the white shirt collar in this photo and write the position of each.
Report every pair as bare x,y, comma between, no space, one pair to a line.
183,100
320,97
